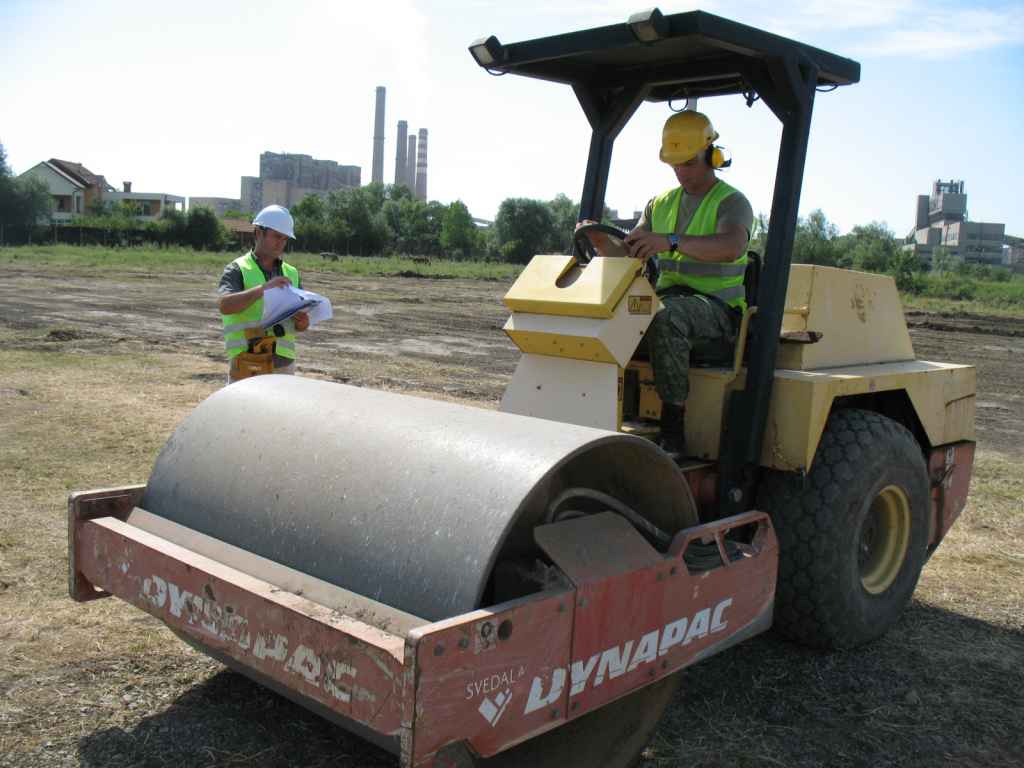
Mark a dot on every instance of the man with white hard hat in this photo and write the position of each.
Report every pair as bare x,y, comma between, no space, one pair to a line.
252,350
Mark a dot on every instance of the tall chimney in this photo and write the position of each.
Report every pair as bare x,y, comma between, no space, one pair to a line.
377,174
400,150
127,186
421,166
410,165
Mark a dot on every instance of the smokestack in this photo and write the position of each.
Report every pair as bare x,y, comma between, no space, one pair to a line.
127,186
377,174
410,165
421,166
400,150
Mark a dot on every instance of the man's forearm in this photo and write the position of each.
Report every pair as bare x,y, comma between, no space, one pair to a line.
233,303
720,247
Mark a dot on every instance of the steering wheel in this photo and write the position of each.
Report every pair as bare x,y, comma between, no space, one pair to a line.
592,240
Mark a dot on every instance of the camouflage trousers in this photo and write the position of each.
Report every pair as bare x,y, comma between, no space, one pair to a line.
688,326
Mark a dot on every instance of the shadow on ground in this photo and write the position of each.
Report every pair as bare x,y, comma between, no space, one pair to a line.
940,689
230,721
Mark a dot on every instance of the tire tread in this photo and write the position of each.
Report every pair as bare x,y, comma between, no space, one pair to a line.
803,510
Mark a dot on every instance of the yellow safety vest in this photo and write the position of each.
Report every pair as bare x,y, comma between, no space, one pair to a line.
723,280
236,325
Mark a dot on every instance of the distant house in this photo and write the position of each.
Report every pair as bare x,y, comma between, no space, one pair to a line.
73,187
75,191
242,230
150,205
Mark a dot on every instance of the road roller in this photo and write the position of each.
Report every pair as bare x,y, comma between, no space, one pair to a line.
522,587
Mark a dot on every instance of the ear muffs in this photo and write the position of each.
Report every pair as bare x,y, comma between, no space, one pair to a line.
714,157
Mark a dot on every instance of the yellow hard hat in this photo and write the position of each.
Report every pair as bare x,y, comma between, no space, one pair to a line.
684,135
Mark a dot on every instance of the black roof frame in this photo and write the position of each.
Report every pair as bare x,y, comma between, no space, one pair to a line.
654,57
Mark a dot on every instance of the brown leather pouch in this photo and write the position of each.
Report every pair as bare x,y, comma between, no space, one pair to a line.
251,364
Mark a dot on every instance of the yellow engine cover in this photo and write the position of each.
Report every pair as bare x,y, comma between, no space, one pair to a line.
577,329
858,315
550,285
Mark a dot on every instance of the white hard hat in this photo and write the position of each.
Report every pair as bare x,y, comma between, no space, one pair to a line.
277,218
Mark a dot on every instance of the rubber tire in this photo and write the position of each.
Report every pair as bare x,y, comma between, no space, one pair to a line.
820,600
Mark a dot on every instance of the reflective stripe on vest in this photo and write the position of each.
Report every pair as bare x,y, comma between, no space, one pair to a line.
237,324
723,280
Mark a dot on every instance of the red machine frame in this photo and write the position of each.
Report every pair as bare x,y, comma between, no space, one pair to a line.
626,617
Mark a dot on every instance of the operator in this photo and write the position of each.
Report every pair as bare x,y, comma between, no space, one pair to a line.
251,350
699,232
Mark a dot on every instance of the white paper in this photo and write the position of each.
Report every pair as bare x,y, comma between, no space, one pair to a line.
320,311
279,304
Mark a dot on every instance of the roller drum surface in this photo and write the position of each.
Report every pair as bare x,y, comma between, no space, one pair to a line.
407,501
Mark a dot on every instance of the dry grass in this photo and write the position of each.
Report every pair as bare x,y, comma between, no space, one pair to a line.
104,685
70,417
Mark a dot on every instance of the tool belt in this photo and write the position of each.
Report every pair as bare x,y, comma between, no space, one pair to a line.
258,359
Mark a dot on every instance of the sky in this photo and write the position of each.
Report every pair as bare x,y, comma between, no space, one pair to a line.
183,97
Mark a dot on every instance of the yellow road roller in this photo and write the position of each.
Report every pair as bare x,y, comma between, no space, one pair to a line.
520,587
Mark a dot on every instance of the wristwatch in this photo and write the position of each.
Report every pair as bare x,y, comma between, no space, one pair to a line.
673,243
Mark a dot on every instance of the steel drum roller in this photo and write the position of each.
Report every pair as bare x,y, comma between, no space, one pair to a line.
408,501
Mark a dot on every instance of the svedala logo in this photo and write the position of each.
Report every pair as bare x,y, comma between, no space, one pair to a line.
493,710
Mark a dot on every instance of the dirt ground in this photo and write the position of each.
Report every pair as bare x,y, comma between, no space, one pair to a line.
95,372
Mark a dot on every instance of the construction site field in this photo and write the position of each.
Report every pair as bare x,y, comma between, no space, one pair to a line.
97,368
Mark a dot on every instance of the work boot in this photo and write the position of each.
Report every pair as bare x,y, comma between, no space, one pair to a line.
672,439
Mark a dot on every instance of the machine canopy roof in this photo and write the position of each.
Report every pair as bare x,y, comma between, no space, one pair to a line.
684,55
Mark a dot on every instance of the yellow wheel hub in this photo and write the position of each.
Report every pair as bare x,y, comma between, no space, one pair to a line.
884,538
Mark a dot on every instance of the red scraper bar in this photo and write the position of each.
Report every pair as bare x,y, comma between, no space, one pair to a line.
491,678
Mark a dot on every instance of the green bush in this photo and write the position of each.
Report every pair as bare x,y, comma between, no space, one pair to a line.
1006,294
949,286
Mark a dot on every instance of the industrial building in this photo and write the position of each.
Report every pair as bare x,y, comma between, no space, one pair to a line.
221,206
942,221
285,179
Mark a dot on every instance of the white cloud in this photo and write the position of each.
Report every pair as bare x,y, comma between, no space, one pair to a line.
916,28
849,15
946,32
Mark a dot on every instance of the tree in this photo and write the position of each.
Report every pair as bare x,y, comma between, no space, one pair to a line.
7,193
312,231
814,240
405,218
458,232
203,229
433,221
126,209
759,234
564,213
175,226
353,219
943,261
868,247
524,227
311,208
375,194
399,192
23,202
905,267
